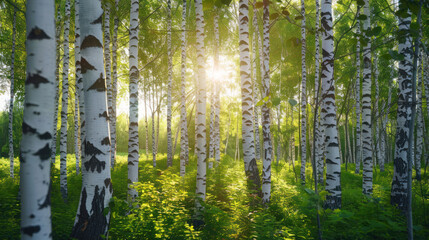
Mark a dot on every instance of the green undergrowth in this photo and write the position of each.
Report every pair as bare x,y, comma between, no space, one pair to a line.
164,208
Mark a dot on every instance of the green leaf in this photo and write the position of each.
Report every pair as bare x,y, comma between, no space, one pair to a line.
395,55
226,2
259,4
386,56
293,102
276,101
376,31
285,12
362,17
360,2
274,16
299,18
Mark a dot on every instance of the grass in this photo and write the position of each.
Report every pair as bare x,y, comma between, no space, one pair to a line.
166,201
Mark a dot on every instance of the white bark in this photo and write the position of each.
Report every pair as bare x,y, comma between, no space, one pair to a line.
78,95
250,166
255,38
64,107
91,220
303,96
133,140
367,161
328,113
108,69
183,123
419,122
398,194
114,86
57,83
170,80
35,183
12,95
201,109
266,123
217,90
358,110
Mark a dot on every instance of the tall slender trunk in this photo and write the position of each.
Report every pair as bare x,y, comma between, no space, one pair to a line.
398,194
114,87
64,107
35,183
255,38
57,83
211,138
201,110
279,135
266,123
317,129
92,219
303,96
217,89
78,95
419,122
133,140
12,95
183,124
358,110
108,70
250,166
377,110
146,101
227,132
328,113
425,81
170,80
366,107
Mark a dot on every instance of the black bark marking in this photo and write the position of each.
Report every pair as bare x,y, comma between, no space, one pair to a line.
90,149
47,201
37,34
85,66
98,20
45,136
95,164
106,141
99,85
44,153
35,79
108,184
104,114
30,230
27,129
91,41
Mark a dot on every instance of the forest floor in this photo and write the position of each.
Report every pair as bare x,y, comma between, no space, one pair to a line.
166,201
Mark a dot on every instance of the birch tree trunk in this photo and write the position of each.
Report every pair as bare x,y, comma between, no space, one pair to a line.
303,96
398,194
78,95
64,107
317,128
35,183
419,123
108,69
114,86
183,124
328,113
57,83
133,140
366,107
255,38
266,123
12,95
91,219
358,110
201,110
250,166
170,80
217,90
377,111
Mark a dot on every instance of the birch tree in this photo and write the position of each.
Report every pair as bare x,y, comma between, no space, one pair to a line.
114,85
217,89
266,122
255,38
328,112
201,109
133,140
170,80
419,124
358,84
366,106
38,119
64,103
303,96
398,194
108,67
57,83
183,123
78,98
250,166
12,95
91,219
